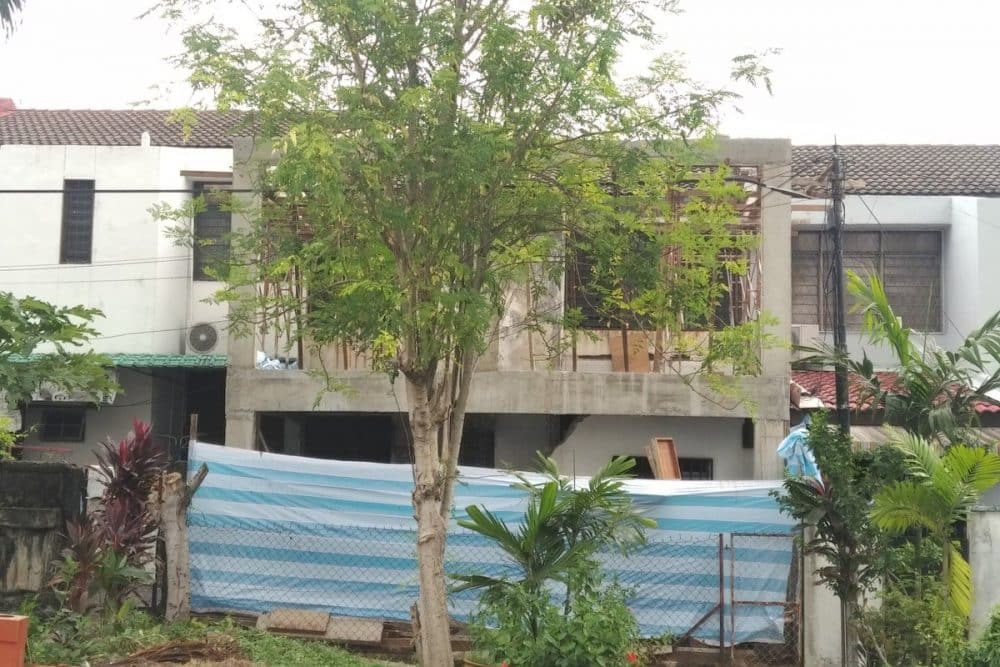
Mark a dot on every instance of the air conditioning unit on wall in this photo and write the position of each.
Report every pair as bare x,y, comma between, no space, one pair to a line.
204,338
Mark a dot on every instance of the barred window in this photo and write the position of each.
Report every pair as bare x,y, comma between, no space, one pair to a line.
696,468
908,262
77,222
211,234
63,424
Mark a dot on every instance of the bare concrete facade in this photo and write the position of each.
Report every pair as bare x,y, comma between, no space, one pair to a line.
520,391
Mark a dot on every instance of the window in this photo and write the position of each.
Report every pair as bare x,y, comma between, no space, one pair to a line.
211,233
77,222
63,424
645,271
908,262
695,469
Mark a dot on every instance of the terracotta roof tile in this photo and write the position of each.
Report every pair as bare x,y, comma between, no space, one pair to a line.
823,385
902,169
71,127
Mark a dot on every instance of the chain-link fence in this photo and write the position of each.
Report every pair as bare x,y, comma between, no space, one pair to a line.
727,598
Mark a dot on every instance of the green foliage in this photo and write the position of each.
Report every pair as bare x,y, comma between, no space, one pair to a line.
7,439
937,496
28,324
838,510
521,626
563,526
919,629
554,549
64,637
986,651
937,390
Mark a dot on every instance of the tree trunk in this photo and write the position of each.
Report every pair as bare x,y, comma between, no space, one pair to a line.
434,641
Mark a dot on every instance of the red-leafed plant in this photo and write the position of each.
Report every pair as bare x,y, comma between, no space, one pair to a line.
109,550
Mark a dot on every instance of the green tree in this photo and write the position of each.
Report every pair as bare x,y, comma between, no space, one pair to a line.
835,513
28,324
938,495
430,156
8,12
936,391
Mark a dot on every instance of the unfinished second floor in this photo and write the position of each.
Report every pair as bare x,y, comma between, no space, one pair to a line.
599,369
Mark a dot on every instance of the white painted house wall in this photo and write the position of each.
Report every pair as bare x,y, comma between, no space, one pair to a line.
139,277
970,270
592,441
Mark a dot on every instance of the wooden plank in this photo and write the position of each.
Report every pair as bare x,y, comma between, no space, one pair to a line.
637,342
348,630
663,458
298,620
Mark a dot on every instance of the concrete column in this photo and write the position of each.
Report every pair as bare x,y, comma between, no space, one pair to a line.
821,625
984,521
293,435
248,161
767,435
241,428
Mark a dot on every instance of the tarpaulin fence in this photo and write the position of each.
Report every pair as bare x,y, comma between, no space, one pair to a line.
268,531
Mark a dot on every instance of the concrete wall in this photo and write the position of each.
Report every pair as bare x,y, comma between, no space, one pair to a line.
134,401
139,276
969,271
593,441
984,542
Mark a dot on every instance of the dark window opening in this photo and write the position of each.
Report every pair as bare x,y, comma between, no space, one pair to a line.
63,424
77,241
349,437
696,468
584,287
642,469
212,227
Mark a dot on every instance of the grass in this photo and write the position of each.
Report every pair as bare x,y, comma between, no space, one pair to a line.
66,638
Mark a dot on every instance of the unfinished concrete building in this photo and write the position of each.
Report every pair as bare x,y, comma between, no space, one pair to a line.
609,394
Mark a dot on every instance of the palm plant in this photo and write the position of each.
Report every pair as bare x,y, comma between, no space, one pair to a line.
936,391
8,10
936,497
562,526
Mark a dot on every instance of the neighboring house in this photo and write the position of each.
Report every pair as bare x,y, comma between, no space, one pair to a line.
76,189
601,398
816,390
925,218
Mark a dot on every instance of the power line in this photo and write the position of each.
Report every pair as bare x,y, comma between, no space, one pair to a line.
123,191
96,280
116,262
152,331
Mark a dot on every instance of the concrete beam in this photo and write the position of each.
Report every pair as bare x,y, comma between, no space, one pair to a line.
513,392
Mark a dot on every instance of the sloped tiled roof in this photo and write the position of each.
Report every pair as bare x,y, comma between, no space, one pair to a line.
902,169
72,127
823,385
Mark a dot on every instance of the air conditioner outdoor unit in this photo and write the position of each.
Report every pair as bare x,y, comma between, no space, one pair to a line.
203,338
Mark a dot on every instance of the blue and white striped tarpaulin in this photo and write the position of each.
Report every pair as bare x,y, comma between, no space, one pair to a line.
271,531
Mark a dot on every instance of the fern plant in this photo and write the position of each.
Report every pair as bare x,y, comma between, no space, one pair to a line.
937,496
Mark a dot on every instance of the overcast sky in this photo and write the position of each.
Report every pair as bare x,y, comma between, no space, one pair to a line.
867,71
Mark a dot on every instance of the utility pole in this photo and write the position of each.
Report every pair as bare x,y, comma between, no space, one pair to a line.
839,300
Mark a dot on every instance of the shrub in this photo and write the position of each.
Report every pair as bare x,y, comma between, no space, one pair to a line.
915,628
597,630
108,550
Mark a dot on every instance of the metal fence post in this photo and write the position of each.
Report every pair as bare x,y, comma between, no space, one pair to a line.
722,600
